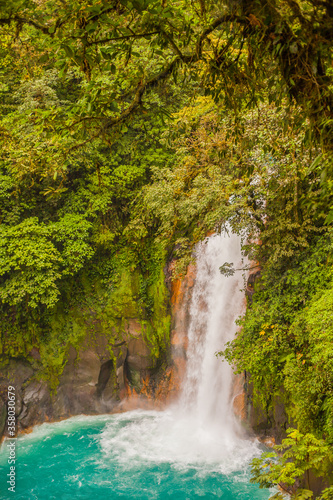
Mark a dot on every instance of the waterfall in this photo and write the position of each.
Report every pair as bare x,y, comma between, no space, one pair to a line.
216,303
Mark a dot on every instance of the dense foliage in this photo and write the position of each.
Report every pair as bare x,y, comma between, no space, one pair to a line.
129,130
71,250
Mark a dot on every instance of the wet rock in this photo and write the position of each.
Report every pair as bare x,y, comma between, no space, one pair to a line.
253,278
93,381
16,373
104,376
36,404
139,355
92,378
86,369
270,423
134,378
76,392
133,329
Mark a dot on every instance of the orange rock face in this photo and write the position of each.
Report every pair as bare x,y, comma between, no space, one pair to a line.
239,399
239,406
181,292
159,393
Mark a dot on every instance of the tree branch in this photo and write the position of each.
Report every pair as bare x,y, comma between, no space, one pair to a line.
124,37
23,20
176,50
220,20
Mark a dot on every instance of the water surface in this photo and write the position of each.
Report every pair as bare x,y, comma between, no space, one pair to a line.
138,454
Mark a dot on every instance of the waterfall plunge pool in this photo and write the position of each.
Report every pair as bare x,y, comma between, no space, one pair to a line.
142,455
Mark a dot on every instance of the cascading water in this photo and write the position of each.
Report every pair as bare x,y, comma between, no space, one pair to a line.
216,303
194,449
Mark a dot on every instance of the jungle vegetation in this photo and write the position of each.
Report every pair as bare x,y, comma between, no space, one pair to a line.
129,130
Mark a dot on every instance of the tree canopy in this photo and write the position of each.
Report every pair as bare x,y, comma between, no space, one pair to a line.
240,52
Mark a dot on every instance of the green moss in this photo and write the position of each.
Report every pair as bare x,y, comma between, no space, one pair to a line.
157,330
91,307
134,379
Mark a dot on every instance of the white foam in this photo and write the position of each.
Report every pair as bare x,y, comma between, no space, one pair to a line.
140,437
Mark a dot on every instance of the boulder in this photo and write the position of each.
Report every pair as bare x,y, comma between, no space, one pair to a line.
139,355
